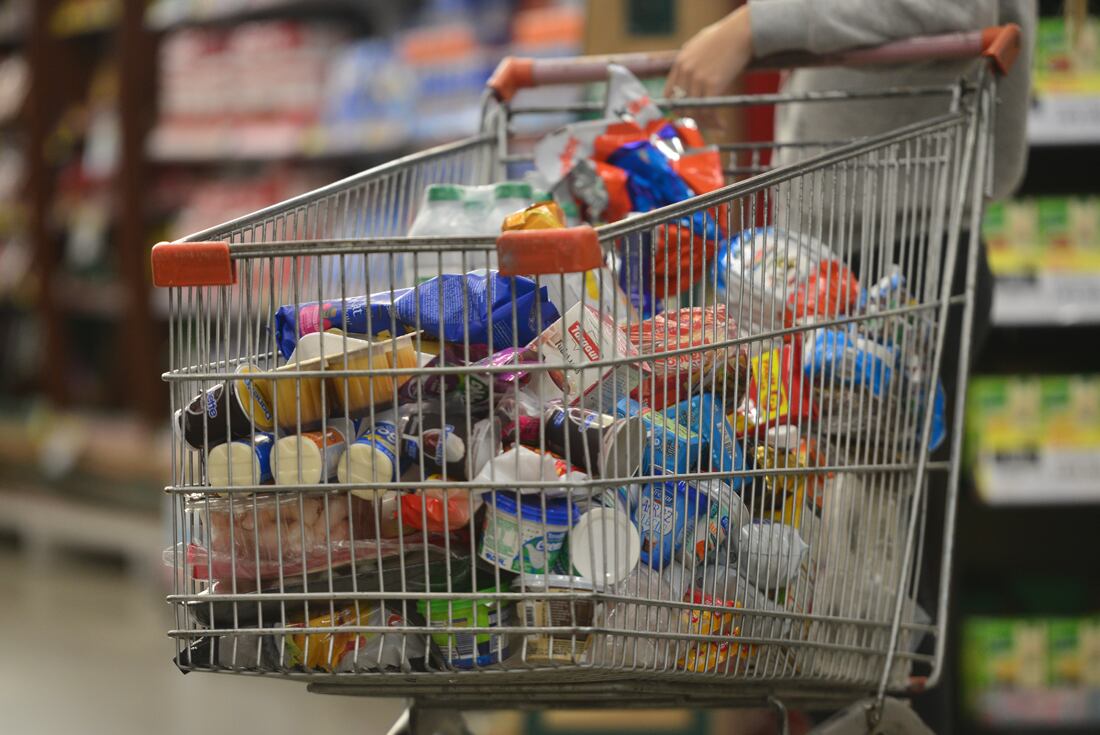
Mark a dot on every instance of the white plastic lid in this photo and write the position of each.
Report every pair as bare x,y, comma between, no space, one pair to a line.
238,455
288,460
364,463
782,437
604,546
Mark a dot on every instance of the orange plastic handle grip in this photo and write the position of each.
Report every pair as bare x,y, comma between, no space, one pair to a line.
543,252
192,264
1001,45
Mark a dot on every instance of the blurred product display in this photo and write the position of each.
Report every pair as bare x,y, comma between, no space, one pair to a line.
1035,439
1066,81
1045,255
1020,672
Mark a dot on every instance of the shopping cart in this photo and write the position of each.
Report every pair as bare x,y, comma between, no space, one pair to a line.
752,536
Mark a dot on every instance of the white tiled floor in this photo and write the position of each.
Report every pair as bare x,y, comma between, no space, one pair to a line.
83,651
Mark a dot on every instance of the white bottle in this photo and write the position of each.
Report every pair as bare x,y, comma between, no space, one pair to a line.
440,211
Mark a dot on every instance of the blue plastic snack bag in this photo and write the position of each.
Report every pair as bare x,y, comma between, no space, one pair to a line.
447,308
849,359
652,183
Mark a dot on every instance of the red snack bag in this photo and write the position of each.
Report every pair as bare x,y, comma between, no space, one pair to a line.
830,290
689,133
702,170
679,258
676,377
616,136
614,180
776,392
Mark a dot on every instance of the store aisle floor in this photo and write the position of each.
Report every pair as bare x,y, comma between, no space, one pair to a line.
84,651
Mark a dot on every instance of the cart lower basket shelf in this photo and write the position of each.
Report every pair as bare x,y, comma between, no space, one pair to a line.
692,456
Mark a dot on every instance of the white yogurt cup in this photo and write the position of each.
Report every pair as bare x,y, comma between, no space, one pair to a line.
604,546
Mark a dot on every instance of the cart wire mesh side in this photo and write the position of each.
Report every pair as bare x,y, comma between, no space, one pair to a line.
698,473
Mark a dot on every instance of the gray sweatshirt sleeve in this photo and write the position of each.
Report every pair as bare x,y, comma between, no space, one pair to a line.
825,26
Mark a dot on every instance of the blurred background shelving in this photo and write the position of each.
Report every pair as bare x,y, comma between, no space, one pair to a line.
164,117
1026,628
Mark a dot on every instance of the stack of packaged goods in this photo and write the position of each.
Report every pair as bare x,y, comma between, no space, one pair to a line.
662,485
256,89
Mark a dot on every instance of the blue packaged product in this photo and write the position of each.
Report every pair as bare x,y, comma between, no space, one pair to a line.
651,181
635,269
703,415
666,516
669,446
448,308
939,419
851,360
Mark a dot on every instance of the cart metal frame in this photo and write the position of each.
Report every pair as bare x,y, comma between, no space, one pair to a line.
903,196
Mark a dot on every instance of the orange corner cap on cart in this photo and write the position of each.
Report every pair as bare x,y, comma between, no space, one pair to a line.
543,252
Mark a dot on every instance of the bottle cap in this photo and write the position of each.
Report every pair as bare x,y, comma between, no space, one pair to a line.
444,193
513,190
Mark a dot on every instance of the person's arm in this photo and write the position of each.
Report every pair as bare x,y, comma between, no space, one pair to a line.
710,61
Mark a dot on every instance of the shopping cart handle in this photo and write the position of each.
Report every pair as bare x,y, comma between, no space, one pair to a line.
192,264
999,44
545,252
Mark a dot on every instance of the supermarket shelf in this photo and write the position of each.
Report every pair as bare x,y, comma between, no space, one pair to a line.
11,37
87,297
47,523
1054,709
1064,120
112,448
1051,478
1048,299
166,16
74,18
379,143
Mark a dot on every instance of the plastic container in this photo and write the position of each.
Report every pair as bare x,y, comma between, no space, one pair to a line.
312,457
666,517
373,456
468,650
255,537
240,462
522,536
439,212
604,546
551,601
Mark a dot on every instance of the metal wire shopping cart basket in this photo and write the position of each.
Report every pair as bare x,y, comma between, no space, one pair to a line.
705,484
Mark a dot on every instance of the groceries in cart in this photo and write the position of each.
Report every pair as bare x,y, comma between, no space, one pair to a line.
531,466
524,471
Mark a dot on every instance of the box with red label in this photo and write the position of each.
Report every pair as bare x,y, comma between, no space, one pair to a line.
776,393
582,337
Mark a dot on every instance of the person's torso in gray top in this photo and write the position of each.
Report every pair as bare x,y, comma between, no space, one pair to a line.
823,26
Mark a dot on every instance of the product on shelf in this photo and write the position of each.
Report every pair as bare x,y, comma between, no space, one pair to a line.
1034,438
1032,671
